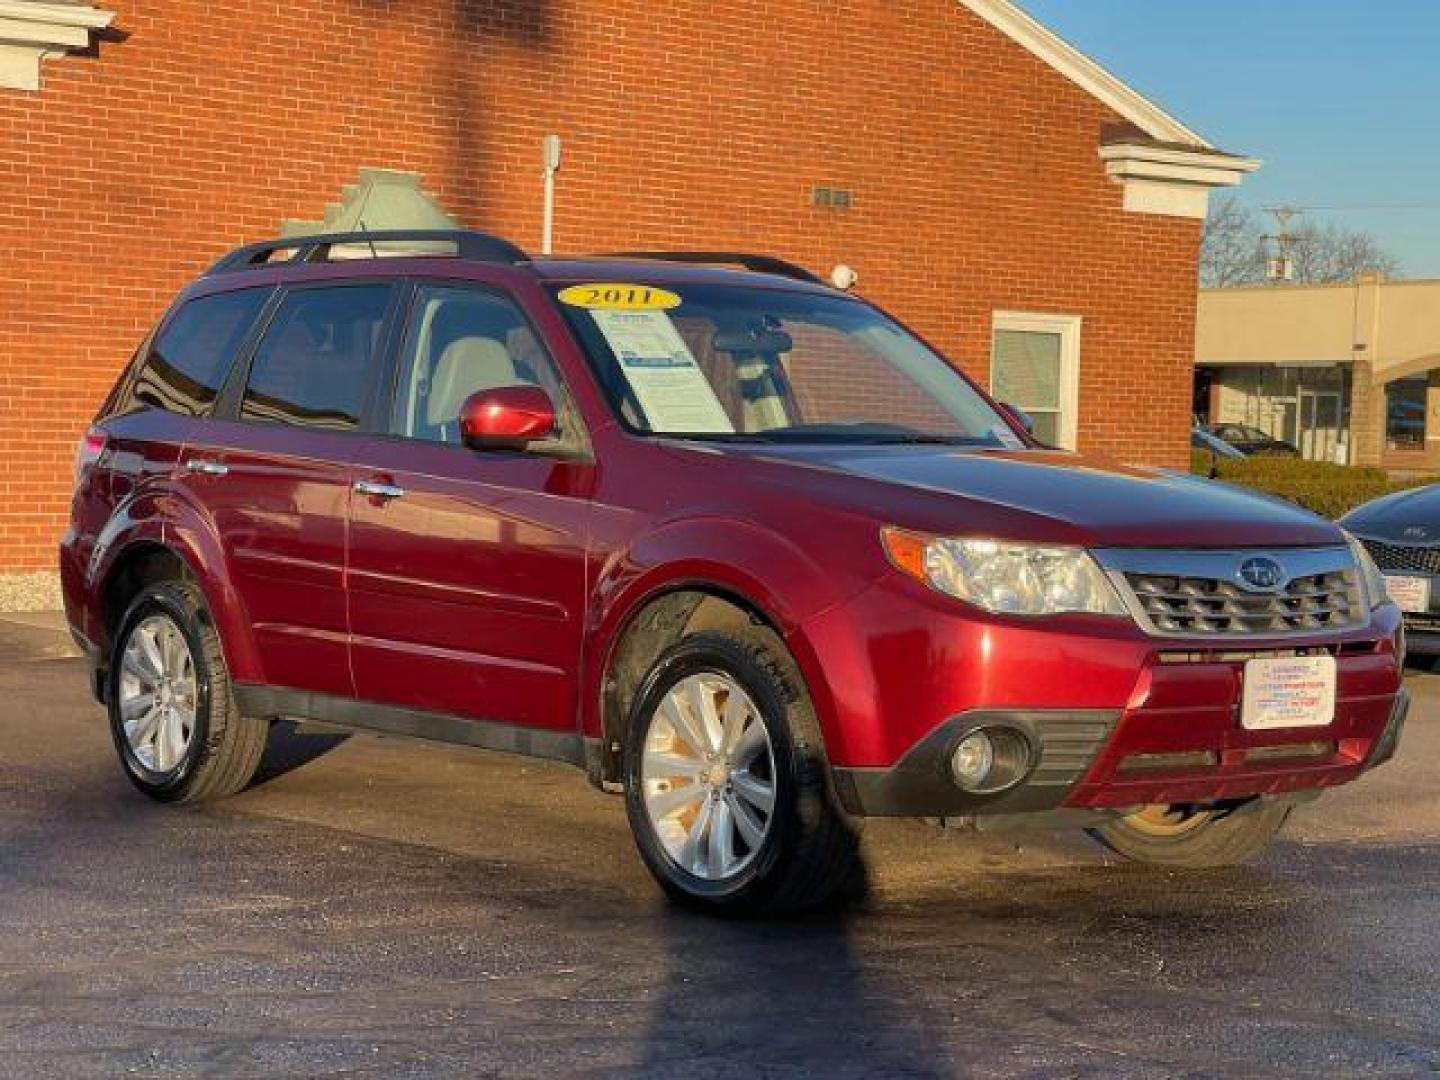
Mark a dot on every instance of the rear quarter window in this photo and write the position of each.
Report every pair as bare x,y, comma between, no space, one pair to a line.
187,363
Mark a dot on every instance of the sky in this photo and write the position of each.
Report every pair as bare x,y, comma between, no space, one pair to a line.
1339,98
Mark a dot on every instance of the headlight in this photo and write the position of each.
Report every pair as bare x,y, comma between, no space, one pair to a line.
1371,578
1016,579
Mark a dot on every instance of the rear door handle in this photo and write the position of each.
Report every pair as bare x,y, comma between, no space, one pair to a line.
208,468
377,490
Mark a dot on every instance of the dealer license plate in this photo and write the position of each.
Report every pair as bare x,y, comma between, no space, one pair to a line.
1288,692
1409,593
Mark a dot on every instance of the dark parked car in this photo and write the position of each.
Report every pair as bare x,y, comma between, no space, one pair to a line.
1201,439
1251,440
734,542
1402,533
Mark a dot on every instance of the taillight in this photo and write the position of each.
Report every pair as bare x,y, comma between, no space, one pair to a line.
91,446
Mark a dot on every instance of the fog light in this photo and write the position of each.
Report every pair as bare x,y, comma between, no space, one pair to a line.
973,761
990,760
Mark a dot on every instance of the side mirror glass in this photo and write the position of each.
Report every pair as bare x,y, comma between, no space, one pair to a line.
506,418
1020,416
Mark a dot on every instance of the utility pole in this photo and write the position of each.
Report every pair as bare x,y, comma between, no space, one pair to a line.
1282,266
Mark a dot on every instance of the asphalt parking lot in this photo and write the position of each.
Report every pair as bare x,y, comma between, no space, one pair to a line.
378,907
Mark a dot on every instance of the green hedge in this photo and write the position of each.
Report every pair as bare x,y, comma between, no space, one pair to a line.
1328,489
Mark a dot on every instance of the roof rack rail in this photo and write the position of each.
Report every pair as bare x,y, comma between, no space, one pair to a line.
760,264
474,246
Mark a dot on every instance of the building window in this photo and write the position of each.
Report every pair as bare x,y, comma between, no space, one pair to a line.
1035,366
1405,414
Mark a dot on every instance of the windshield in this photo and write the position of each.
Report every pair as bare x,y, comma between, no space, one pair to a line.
739,362
1240,431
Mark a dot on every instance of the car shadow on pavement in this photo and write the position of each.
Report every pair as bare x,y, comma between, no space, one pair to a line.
784,998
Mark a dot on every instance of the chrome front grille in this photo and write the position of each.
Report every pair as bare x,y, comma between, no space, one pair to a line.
1403,558
1186,593
1190,605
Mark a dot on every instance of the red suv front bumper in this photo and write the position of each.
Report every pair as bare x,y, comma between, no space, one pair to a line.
1117,718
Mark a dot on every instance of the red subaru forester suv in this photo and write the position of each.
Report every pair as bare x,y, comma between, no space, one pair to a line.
736,543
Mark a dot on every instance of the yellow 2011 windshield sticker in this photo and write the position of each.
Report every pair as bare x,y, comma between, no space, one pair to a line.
617,296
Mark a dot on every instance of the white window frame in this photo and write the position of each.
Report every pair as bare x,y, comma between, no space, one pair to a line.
1067,328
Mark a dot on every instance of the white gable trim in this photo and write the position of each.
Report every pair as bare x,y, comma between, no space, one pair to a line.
1084,72
32,30
1177,183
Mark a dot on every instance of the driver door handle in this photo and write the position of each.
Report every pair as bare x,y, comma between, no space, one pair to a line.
376,490
205,467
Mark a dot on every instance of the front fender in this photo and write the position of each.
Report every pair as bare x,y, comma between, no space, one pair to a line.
168,519
757,567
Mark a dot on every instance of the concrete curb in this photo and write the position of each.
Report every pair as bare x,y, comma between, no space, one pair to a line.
36,591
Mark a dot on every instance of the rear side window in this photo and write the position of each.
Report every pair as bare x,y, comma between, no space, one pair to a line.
316,362
188,362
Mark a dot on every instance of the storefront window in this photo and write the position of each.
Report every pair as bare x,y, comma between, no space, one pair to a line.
1405,414
1307,406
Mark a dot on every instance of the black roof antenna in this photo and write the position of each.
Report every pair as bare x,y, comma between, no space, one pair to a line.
369,240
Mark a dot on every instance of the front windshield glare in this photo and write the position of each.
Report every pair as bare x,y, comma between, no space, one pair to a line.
741,362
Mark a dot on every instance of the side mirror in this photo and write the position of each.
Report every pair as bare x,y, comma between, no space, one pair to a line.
1020,416
506,418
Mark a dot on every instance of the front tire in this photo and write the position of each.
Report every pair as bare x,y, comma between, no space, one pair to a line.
726,787
173,717
1194,838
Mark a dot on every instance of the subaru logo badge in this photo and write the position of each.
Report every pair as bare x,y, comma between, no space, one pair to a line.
1262,574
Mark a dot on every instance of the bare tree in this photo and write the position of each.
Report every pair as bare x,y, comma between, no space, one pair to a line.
1235,251
1328,255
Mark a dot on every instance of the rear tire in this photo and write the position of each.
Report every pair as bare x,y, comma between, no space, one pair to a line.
173,717
732,809
1194,838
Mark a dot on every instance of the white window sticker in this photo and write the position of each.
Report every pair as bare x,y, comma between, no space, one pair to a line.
668,383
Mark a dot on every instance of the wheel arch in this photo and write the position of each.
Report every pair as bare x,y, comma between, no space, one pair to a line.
653,622
151,553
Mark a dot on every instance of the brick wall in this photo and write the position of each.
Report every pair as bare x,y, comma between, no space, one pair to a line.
974,167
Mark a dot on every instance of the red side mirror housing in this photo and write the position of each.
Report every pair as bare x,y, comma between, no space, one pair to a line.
506,418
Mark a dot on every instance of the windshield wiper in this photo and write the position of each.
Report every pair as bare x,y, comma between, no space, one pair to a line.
793,437
927,440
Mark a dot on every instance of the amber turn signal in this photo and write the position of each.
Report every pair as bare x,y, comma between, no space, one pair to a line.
907,551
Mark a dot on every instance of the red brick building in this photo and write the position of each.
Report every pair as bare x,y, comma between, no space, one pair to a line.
1020,206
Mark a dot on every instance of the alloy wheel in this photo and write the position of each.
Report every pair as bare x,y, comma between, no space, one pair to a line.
708,776
157,694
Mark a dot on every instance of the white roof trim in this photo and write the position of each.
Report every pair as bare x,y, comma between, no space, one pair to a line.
32,30
1084,72
53,14
1165,180
1167,156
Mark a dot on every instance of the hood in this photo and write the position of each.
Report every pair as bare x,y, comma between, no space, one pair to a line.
1404,517
1062,497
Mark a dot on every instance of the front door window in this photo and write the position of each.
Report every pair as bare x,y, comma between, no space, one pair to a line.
463,340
